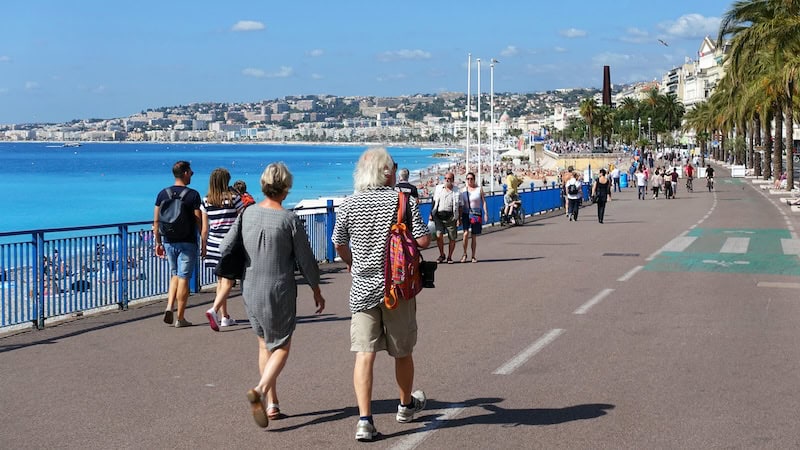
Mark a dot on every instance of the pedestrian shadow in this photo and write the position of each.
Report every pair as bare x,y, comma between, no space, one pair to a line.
489,413
496,260
322,318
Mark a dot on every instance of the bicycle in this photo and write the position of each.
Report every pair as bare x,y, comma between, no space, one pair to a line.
689,186
517,215
710,184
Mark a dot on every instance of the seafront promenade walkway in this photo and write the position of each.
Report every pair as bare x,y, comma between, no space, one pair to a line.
671,325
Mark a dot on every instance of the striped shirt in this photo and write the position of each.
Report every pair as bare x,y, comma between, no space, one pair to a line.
363,220
220,220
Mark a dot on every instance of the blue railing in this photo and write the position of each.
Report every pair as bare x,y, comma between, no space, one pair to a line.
51,273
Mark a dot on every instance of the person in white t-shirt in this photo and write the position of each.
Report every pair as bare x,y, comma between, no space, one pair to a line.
641,183
574,194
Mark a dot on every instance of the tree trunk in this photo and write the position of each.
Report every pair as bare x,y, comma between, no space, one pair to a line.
777,150
768,146
758,143
789,121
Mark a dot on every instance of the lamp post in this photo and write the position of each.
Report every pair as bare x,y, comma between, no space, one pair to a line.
469,105
491,101
650,128
639,126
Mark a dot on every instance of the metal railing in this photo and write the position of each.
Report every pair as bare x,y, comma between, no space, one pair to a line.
51,273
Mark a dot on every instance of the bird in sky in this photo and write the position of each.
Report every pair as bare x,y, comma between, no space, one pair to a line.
664,43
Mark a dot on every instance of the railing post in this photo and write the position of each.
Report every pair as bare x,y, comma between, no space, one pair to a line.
38,279
533,197
329,223
122,268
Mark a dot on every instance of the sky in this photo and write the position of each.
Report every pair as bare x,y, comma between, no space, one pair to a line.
83,59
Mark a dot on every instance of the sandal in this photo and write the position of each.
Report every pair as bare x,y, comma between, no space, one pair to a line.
440,259
464,259
259,414
449,261
474,259
273,411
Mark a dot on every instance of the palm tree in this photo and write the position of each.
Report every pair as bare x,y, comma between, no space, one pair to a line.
588,108
700,120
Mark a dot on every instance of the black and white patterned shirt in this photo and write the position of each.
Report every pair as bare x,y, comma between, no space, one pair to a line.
363,220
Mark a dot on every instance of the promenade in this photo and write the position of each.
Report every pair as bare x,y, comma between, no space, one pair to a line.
671,325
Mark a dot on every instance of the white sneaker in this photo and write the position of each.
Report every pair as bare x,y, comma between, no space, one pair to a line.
365,431
213,319
406,414
227,322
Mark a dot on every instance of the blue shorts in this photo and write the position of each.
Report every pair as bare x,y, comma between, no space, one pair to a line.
182,257
473,228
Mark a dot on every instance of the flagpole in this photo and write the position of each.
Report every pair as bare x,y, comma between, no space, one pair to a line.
491,138
480,171
469,107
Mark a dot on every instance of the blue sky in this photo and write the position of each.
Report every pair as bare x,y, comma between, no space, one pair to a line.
99,59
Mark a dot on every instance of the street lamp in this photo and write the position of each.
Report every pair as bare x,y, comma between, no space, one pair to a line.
480,176
650,128
469,105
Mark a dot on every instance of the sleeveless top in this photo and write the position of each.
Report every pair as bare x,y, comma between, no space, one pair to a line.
602,191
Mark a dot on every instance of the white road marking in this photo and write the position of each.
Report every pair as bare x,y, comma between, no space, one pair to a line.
777,284
593,301
514,363
735,245
725,263
790,246
678,244
413,440
630,273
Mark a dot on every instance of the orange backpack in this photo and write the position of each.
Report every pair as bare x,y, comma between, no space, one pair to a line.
402,280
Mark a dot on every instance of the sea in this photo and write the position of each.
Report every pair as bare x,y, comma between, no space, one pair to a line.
49,186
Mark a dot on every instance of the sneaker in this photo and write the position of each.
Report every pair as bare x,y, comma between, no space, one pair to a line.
365,431
182,323
227,322
406,414
168,317
213,319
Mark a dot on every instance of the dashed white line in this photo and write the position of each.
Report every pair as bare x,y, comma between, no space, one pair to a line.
776,284
514,363
630,273
443,415
593,301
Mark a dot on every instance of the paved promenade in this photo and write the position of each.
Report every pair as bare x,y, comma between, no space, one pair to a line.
672,325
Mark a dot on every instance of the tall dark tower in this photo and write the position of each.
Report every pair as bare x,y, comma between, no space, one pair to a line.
607,85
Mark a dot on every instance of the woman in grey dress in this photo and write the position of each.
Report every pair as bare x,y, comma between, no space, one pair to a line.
274,239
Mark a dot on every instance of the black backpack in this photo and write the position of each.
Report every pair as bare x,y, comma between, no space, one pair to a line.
175,221
572,189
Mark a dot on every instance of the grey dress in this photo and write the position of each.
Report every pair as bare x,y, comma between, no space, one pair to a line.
273,240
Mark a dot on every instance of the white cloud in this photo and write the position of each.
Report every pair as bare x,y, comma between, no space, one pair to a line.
608,58
247,25
316,76
691,26
31,85
572,33
283,72
560,50
511,50
404,54
250,72
5,58
316,52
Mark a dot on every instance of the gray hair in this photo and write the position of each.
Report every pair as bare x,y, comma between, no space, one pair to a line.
402,175
374,169
276,180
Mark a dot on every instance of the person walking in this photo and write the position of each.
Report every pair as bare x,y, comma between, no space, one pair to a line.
446,215
404,186
362,228
220,208
274,241
177,241
574,191
641,183
473,214
615,179
601,193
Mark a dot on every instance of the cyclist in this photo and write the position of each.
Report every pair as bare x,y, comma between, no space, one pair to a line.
511,199
689,176
709,177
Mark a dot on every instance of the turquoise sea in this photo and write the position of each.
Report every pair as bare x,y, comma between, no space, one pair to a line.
48,186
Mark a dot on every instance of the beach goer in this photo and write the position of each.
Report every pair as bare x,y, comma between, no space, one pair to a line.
446,215
615,179
220,208
674,178
641,183
180,251
565,177
601,193
474,213
241,187
274,240
656,182
403,185
362,227
574,191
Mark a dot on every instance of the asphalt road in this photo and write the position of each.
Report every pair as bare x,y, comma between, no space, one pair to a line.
671,325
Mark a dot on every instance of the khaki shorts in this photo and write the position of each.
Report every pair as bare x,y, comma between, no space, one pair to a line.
379,329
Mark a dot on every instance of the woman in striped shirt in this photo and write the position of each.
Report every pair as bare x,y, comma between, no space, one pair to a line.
220,208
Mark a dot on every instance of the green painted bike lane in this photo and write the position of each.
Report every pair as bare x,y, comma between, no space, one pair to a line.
765,251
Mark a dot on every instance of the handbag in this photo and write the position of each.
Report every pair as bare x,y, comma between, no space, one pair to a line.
233,259
475,215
